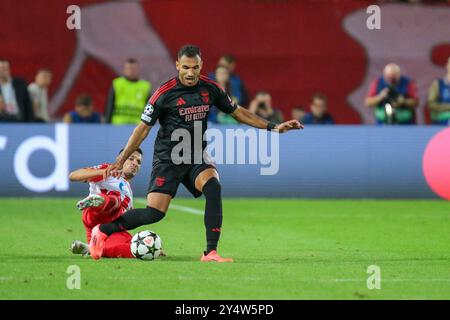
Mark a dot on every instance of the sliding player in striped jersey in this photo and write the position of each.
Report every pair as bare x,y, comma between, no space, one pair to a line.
108,199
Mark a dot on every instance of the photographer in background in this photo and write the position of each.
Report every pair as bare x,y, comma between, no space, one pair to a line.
393,96
261,105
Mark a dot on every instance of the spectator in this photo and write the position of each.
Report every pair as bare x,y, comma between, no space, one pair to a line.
298,113
222,77
236,84
318,114
84,112
128,96
393,96
439,99
262,106
17,104
39,96
4,117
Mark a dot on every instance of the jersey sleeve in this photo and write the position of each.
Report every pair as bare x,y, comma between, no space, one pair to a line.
98,167
152,110
223,100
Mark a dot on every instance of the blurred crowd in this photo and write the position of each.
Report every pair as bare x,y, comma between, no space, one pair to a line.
392,96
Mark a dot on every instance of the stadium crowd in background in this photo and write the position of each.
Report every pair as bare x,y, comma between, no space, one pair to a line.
128,96
222,77
83,112
39,94
298,112
318,113
393,97
439,99
16,100
237,86
261,105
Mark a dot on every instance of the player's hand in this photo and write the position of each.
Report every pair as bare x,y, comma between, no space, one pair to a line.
289,125
113,170
383,94
400,101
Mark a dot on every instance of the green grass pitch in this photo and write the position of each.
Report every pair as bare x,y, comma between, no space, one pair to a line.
283,249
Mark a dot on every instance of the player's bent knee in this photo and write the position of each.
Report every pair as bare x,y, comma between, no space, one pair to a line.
159,201
153,215
212,188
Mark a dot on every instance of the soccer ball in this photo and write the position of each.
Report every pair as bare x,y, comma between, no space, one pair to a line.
146,245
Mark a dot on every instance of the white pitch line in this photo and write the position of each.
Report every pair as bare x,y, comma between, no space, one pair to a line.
177,207
393,280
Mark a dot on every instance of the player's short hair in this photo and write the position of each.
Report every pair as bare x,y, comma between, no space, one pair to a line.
138,150
189,51
84,100
4,60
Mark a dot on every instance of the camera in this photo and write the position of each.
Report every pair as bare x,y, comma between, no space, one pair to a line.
392,95
262,105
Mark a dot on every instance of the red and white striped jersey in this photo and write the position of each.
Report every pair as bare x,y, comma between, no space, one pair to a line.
114,185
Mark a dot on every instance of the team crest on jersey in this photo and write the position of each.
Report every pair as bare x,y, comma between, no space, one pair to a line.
205,96
160,181
148,109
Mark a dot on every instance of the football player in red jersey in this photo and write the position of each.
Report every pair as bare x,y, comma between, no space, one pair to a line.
108,199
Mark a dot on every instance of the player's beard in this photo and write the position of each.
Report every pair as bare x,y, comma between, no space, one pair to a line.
191,80
129,175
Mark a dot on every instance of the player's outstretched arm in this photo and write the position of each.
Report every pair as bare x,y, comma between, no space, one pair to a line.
137,137
85,174
244,116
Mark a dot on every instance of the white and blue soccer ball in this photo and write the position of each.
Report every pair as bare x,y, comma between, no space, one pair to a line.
146,245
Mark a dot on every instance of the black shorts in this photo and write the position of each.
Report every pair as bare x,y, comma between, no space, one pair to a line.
167,176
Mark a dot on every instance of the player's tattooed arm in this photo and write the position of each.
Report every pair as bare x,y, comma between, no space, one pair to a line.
85,174
137,137
244,116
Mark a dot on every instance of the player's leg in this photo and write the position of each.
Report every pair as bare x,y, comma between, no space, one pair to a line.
101,203
79,247
162,188
206,181
118,246
157,204
88,222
